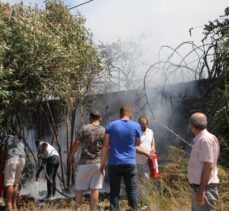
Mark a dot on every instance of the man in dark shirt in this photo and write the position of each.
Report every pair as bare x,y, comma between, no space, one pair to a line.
88,176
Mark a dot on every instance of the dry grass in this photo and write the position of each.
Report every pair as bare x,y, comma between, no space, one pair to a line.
173,193
170,193
223,189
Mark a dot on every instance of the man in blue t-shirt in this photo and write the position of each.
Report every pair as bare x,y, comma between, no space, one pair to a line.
121,138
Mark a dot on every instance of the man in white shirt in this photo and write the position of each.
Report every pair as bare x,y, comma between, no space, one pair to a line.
50,157
144,150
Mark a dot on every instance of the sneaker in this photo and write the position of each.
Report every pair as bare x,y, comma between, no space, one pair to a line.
50,198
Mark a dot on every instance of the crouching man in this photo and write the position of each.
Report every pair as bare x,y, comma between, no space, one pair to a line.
50,158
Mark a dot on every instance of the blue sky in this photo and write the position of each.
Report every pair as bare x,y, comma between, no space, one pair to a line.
161,21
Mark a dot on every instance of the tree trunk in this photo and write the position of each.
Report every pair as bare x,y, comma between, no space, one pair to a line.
54,131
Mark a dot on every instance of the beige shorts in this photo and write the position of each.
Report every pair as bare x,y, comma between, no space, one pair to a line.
88,176
12,171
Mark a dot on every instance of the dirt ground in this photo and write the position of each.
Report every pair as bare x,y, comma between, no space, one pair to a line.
28,203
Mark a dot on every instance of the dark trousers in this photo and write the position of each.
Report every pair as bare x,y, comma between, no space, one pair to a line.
128,173
51,169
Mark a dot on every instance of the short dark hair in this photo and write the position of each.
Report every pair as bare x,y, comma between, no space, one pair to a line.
94,115
143,117
126,111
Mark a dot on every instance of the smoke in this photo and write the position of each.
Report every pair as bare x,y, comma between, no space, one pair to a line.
167,90
38,189
35,189
166,94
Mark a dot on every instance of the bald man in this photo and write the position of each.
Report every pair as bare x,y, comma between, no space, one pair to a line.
144,150
202,165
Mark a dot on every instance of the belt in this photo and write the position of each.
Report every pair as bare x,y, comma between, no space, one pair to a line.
16,156
210,184
52,157
196,187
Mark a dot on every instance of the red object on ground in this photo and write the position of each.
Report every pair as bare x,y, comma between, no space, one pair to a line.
153,166
1,184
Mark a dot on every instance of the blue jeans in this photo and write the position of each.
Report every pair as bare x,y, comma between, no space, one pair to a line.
128,173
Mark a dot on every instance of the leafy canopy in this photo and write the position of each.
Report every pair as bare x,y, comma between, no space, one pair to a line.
43,53
218,32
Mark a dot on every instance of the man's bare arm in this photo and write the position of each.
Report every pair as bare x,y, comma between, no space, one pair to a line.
104,154
153,146
139,150
142,152
206,174
74,148
138,142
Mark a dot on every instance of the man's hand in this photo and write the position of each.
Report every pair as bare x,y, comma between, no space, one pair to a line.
149,156
143,152
104,153
206,174
200,198
74,148
152,151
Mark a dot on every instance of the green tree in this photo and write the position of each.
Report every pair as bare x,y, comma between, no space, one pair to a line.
218,33
44,55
